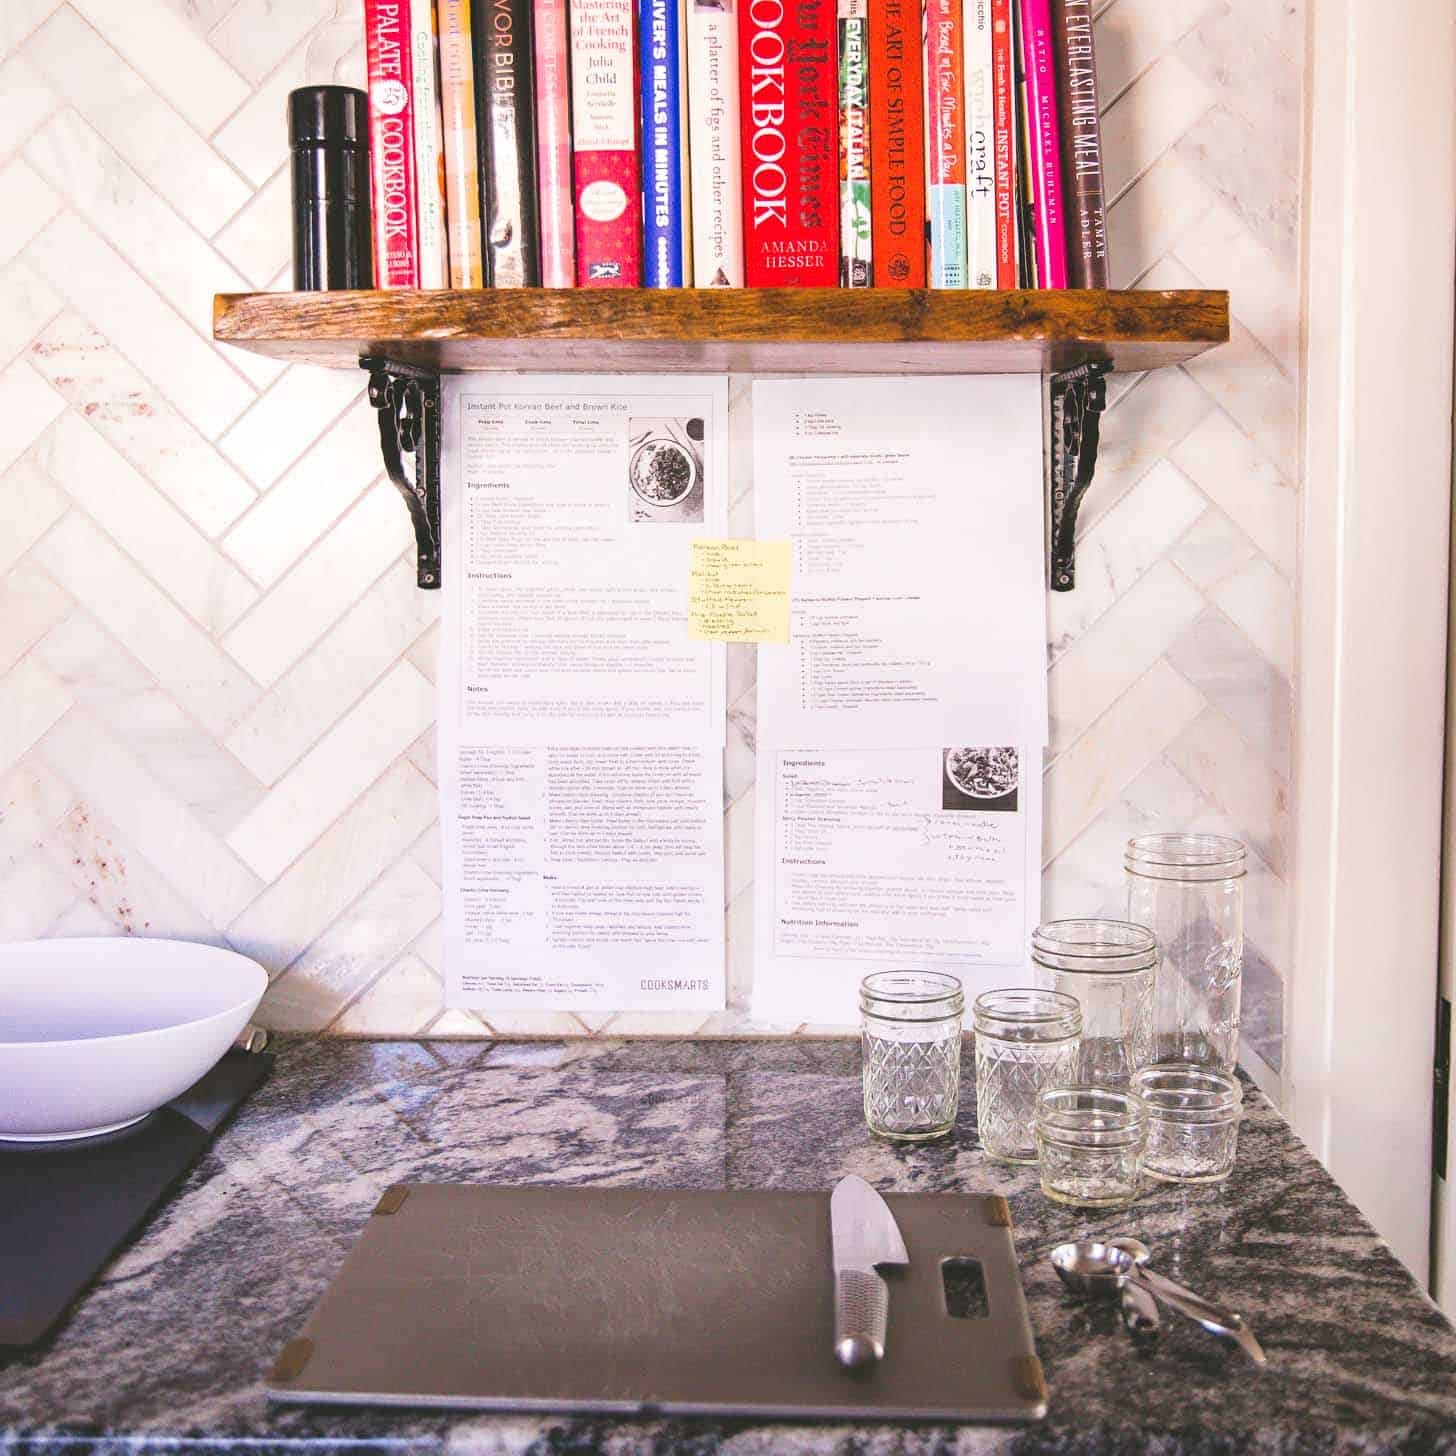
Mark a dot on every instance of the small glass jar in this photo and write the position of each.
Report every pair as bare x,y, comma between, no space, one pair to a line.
1193,1117
1188,889
1090,1144
910,1023
1109,966
1026,1039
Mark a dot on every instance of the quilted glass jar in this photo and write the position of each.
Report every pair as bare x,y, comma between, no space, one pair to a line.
910,1026
1026,1040
1090,1142
1193,1121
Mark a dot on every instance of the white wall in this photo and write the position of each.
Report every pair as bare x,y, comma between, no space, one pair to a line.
1374,565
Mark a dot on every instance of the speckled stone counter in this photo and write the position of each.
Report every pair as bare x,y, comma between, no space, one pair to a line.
169,1350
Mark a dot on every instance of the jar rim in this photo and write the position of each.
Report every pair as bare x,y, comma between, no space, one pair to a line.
1096,946
1188,1092
934,986
1090,1116
1186,851
1027,1004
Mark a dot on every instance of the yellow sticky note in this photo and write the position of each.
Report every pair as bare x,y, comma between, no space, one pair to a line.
738,591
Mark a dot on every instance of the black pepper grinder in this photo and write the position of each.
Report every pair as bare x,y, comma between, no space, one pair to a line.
328,134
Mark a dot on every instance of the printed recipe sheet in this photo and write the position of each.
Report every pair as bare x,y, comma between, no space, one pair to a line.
580,730
901,730
871,860
914,509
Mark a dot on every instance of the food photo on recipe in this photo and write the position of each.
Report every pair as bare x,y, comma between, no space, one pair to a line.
724,727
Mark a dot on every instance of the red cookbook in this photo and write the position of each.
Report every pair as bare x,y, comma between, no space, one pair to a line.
897,145
392,144
789,79
1003,100
608,175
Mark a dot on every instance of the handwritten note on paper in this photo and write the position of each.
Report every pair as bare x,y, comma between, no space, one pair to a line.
738,591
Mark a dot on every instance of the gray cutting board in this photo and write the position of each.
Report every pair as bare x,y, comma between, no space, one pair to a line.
631,1301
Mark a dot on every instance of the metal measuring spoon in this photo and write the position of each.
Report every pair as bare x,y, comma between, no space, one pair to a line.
1092,1267
1139,1309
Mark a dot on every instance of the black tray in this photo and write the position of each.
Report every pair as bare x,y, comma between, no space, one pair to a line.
68,1207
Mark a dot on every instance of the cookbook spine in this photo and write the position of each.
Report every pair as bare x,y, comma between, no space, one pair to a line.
789,89
856,256
685,150
945,124
1085,199
506,116
1025,197
429,152
664,195
391,144
980,147
897,144
715,146
1003,79
553,144
1039,58
462,169
607,175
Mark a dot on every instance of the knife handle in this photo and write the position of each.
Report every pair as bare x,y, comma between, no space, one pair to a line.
861,1314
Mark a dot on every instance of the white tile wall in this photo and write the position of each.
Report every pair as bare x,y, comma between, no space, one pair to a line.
172,56
215,666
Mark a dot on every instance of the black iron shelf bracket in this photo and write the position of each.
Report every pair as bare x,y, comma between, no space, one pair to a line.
407,401
1078,398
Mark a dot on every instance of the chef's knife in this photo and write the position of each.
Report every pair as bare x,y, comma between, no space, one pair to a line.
865,1235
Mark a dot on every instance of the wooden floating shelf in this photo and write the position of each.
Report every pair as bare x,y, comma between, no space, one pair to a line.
749,330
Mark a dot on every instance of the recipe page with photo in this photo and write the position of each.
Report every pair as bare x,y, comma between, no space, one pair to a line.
901,729
570,503
870,860
580,729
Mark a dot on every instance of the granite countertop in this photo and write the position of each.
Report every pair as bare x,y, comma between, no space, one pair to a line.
170,1348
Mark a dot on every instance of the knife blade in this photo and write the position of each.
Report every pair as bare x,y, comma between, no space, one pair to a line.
865,1236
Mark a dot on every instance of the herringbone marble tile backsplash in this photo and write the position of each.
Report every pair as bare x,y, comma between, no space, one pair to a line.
216,671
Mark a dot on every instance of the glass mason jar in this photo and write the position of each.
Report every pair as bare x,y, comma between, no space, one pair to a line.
1026,1039
910,1025
1090,1143
1188,889
1109,966
1193,1121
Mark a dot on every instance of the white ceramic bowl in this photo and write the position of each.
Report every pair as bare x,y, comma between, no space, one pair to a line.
95,1034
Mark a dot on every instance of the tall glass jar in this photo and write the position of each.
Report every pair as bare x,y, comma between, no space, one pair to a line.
1188,889
1109,966
910,1027
1026,1039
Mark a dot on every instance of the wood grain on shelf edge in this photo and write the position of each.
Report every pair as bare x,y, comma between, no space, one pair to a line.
804,314
778,329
